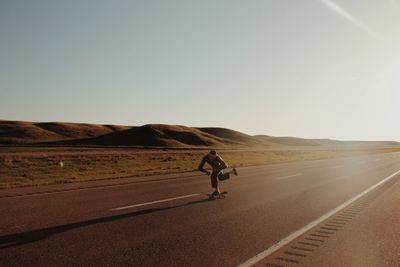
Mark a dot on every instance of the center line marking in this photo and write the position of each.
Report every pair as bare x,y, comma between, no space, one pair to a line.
289,176
19,226
337,166
301,231
153,202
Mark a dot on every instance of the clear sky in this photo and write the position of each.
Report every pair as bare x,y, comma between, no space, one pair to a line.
307,68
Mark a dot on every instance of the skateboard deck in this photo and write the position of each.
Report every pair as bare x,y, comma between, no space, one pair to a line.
220,196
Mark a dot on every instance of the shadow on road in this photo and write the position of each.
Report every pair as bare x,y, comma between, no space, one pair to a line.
19,239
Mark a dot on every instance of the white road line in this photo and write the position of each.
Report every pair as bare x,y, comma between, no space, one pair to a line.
19,226
100,187
153,202
337,166
312,224
289,176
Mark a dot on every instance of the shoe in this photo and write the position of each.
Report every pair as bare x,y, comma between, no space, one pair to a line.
215,193
235,171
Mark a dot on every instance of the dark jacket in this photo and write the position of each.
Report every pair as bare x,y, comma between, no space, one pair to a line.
217,164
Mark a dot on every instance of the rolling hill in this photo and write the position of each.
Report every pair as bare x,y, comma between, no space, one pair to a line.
154,135
151,135
21,132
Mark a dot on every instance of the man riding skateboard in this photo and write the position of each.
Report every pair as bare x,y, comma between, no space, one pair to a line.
217,164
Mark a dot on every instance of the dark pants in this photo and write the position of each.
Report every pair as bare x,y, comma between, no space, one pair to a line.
218,175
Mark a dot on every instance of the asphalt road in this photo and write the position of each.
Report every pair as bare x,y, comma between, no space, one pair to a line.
171,222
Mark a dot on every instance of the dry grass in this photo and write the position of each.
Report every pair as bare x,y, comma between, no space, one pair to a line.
42,166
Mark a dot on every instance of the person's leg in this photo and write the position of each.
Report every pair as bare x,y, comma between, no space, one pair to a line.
234,171
214,181
225,175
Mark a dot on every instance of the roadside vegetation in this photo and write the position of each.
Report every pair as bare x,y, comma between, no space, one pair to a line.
19,167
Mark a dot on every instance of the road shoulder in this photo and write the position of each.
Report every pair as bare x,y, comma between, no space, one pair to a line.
371,238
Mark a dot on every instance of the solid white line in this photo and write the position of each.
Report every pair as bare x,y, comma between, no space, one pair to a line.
153,202
309,226
289,176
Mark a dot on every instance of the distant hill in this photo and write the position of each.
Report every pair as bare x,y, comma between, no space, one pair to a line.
21,132
231,136
156,135
293,141
151,135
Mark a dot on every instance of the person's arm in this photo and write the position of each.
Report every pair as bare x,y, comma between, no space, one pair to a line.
222,163
201,166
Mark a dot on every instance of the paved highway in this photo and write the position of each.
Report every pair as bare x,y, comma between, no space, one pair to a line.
169,220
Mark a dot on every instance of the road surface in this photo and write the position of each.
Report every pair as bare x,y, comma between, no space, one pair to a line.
169,220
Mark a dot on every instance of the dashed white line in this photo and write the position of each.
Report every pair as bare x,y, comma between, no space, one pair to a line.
301,231
337,166
289,176
153,202
19,226
100,187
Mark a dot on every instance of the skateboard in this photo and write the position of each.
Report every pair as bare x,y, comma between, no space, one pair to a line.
220,196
